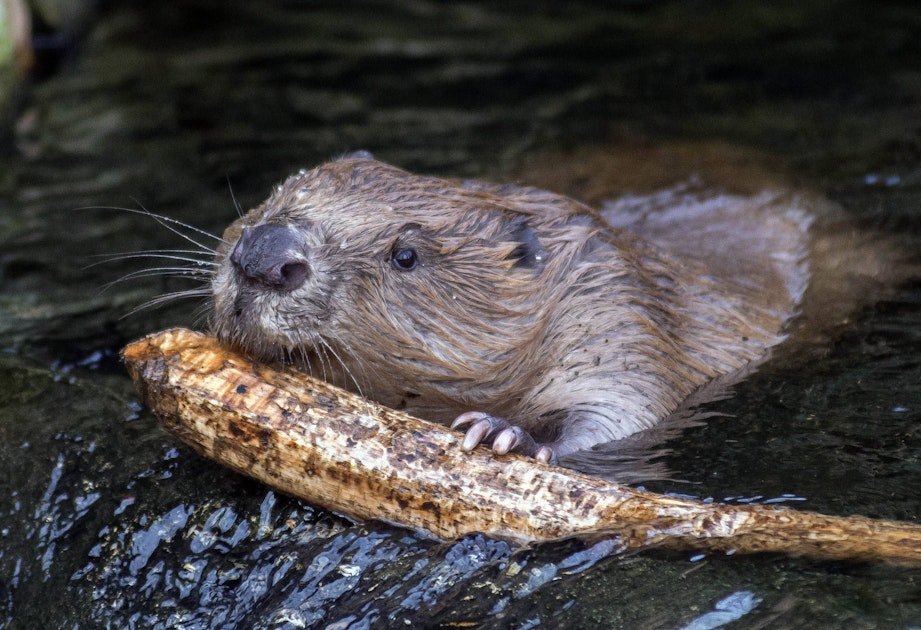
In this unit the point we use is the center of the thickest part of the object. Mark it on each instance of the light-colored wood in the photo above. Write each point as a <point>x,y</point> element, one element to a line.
<point>311,440</point>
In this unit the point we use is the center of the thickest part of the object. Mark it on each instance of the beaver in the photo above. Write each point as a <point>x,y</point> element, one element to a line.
<point>540,324</point>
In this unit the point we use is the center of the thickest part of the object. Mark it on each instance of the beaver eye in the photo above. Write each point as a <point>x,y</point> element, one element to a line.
<point>404,259</point>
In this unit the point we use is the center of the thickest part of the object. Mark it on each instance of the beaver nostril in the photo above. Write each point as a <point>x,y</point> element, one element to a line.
<point>292,274</point>
<point>268,256</point>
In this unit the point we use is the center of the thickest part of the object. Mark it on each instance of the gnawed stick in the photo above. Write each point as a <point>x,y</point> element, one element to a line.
<point>311,440</point>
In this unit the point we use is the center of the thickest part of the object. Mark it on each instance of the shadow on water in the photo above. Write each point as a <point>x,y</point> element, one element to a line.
<point>106,521</point>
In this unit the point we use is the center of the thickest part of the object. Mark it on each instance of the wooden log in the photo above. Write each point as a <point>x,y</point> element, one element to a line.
<point>308,439</point>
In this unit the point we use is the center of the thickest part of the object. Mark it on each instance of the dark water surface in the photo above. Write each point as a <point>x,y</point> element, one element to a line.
<point>107,522</point>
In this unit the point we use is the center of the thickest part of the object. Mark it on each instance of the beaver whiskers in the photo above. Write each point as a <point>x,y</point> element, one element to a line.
<point>201,264</point>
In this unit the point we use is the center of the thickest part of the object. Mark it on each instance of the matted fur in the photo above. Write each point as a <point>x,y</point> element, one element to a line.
<point>525,304</point>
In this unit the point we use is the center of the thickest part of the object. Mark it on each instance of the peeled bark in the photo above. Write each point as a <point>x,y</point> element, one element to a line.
<point>308,439</point>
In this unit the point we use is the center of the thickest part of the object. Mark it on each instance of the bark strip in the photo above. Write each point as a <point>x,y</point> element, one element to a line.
<point>306,438</point>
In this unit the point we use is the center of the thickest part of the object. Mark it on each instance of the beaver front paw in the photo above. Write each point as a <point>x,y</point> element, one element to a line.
<point>502,435</point>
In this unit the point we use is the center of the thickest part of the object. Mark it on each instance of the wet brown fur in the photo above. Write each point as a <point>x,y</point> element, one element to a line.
<point>593,333</point>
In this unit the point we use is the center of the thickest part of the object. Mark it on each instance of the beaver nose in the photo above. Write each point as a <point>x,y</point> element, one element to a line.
<point>267,256</point>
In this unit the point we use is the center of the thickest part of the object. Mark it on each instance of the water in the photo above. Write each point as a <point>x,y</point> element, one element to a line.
<point>106,521</point>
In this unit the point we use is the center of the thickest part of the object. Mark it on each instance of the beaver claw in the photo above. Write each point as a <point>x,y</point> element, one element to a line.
<point>505,437</point>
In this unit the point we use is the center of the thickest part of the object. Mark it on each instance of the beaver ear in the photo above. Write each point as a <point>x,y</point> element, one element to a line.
<point>529,253</point>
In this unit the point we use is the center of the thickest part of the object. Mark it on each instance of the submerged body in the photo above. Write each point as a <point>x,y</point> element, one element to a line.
<point>559,326</point>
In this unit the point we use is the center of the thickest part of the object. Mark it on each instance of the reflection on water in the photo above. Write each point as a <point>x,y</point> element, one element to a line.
<point>105,520</point>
